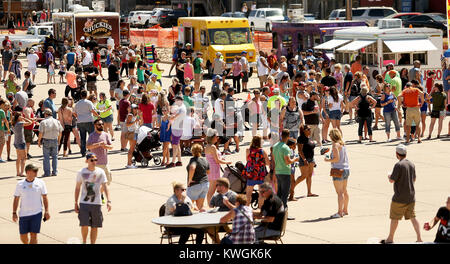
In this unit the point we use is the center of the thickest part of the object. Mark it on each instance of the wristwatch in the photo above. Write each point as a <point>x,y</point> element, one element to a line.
<point>108,202</point>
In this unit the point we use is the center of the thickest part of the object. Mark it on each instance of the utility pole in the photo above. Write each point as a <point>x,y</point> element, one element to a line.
<point>9,11</point>
<point>118,6</point>
<point>348,9</point>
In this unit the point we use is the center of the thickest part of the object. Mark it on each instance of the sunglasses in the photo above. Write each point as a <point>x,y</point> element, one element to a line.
<point>93,160</point>
<point>100,124</point>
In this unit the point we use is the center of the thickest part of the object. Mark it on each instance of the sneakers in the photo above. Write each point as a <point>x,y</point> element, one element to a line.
<point>170,165</point>
<point>226,152</point>
<point>2,161</point>
<point>178,164</point>
<point>388,140</point>
<point>131,167</point>
<point>336,215</point>
<point>124,149</point>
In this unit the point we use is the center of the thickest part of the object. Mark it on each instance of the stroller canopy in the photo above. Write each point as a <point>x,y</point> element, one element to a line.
<point>143,132</point>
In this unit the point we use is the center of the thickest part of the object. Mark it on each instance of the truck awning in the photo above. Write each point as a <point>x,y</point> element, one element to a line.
<point>398,46</point>
<point>356,45</point>
<point>331,44</point>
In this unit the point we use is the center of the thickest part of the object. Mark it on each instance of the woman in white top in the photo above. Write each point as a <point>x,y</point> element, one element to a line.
<point>336,107</point>
<point>132,122</point>
<point>339,161</point>
<point>133,85</point>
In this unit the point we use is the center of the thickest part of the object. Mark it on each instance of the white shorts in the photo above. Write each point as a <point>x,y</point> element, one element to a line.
<point>32,70</point>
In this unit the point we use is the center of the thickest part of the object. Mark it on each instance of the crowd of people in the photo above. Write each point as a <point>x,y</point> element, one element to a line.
<point>298,98</point>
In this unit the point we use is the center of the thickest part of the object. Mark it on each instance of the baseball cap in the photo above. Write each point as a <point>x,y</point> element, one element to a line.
<point>276,90</point>
<point>82,38</point>
<point>310,50</point>
<point>218,77</point>
<point>218,54</point>
<point>401,149</point>
<point>48,112</point>
<point>90,156</point>
<point>134,106</point>
<point>188,44</point>
<point>244,52</point>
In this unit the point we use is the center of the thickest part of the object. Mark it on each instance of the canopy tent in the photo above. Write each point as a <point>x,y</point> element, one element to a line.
<point>331,44</point>
<point>356,45</point>
<point>403,46</point>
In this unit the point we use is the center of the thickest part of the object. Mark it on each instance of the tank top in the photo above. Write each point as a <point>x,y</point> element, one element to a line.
<point>133,127</point>
<point>364,107</point>
<point>189,71</point>
<point>256,168</point>
<point>343,160</point>
<point>30,127</point>
<point>292,119</point>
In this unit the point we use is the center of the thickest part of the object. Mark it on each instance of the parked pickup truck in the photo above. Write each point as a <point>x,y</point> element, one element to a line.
<point>34,35</point>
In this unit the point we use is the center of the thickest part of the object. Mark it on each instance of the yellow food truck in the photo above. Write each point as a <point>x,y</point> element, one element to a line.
<point>229,36</point>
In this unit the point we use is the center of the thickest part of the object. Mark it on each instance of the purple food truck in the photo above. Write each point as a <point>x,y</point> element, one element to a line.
<point>299,36</point>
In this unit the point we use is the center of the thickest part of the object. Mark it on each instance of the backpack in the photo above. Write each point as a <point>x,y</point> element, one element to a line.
<point>291,119</point>
<point>182,209</point>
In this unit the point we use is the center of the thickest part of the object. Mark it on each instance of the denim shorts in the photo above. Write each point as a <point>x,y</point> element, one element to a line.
<point>20,146</point>
<point>198,191</point>
<point>30,224</point>
<point>344,176</point>
<point>253,182</point>
<point>335,115</point>
<point>327,112</point>
<point>301,163</point>
<point>108,119</point>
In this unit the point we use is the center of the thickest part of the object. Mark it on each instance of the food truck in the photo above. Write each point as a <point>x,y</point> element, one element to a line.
<point>227,35</point>
<point>388,43</point>
<point>98,26</point>
<point>306,34</point>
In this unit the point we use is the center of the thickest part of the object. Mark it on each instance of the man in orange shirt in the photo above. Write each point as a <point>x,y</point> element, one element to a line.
<point>356,66</point>
<point>410,99</point>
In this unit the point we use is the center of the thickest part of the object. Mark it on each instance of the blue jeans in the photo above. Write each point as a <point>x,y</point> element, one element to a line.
<point>284,186</point>
<point>50,149</point>
<point>388,116</point>
<point>85,130</point>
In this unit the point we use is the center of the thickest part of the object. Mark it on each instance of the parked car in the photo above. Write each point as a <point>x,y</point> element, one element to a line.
<point>367,14</point>
<point>402,16</point>
<point>169,18</point>
<point>430,20</point>
<point>157,14</point>
<point>261,18</point>
<point>309,17</point>
<point>139,18</point>
<point>35,35</point>
<point>233,14</point>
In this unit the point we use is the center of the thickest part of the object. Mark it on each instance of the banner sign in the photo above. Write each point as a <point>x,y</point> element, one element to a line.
<point>94,28</point>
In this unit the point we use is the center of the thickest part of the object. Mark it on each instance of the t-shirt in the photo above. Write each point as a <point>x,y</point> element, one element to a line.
<point>273,206</point>
<point>262,70</point>
<point>113,76</point>
<point>90,70</point>
<point>411,97</point>
<point>218,66</point>
<point>280,151</point>
<point>218,108</point>
<point>217,200</point>
<point>328,81</point>
<point>201,168</point>
<point>21,98</point>
<point>311,119</point>
<point>48,103</point>
<point>445,82</point>
<point>348,79</point>
<point>308,146</point>
<point>83,109</point>
<point>272,99</point>
<point>439,100</point>
<point>71,58</point>
<point>87,58</point>
<point>101,153</point>
<point>443,232</point>
<point>333,105</point>
<point>48,57</point>
<point>2,117</point>
<point>7,56</point>
<point>30,194</point>
<point>32,58</point>
<point>123,109</point>
<point>71,78</point>
<point>146,110</point>
<point>178,122</point>
<point>404,175</point>
<point>397,83</point>
<point>91,182</point>
<point>102,106</point>
<point>244,63</point>
<point>172,201</point>
<point>197,65</point>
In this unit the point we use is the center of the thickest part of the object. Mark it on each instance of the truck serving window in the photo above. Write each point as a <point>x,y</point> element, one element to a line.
<point>229,36</point>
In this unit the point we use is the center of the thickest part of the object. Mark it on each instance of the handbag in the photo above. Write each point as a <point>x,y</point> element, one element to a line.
<point>182,209</point>
<point>336,173</point>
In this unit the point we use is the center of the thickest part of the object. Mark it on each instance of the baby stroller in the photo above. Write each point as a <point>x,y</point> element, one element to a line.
<point>147,141</point>
<point>238,181</point>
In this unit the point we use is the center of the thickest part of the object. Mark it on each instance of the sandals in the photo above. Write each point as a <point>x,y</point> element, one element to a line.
<point>313,195</point>
<point>336,215</point>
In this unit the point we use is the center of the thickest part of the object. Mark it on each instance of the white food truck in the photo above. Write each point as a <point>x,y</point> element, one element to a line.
<point>388,43</point>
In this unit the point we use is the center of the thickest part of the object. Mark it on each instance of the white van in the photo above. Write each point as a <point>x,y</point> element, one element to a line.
<point>367,14</point>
